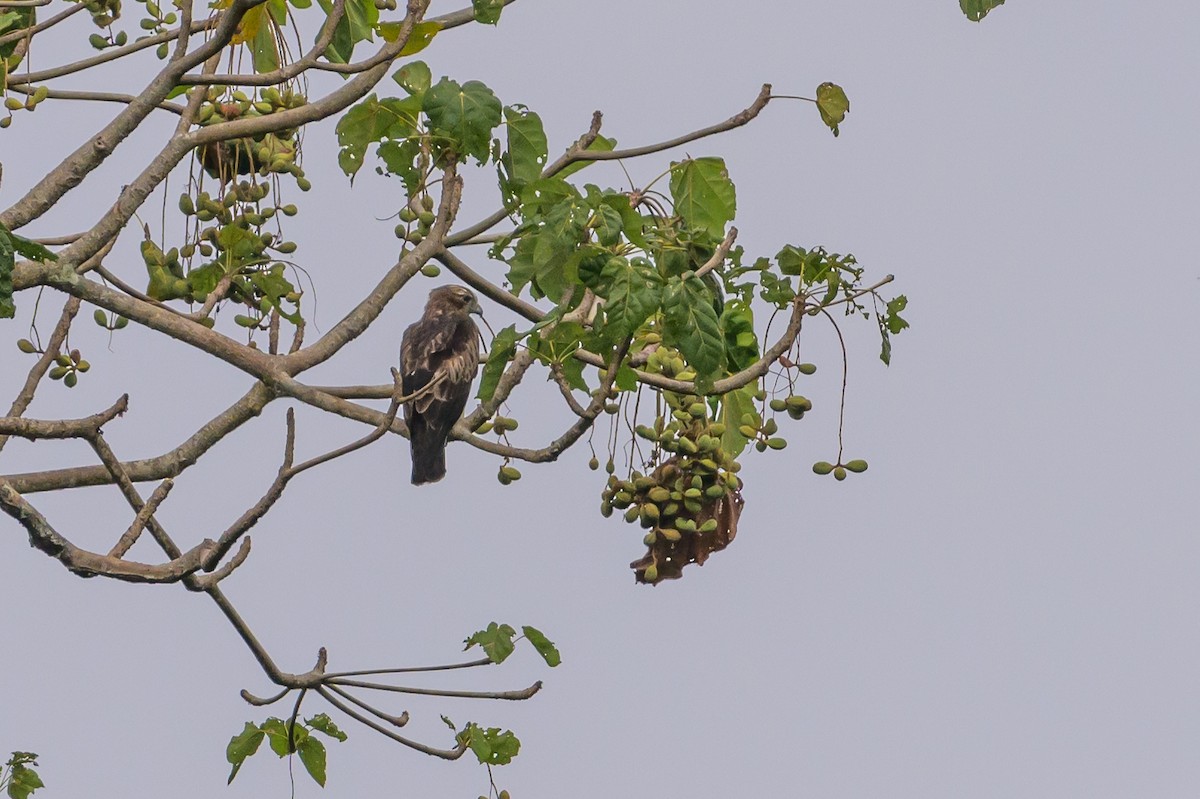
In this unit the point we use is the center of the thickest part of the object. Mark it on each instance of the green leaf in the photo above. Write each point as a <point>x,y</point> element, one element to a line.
<point>496,640</point>
<point>422,34</point>
<point>894,323</point>
<point>978,9</point>
<point>263,47</point>
<point>491,746</point>
<point>8,308</point>
<point>312,755</point>
<point>277,736</point>
<point>488,11</point>
<point>414,77</point>
<point>544,646</point>
<point>632,223</point>
<point>241,746</point>
<point>401,158</point>
<point>734,406</point>
<point>465,114</point>
<point>631,295</point>
<point>527,146</point>
<point>601,144</point>
<point>741,343</point>
<point>23,781</point>
<point>504,347</point>
<point>31,249</point>
<point>607,225</point>
<point>322,723</point>
<point>833,105</point>
<point>356,25</point>
<point>703,194</point>
<point>373,120</point>
<point>691,325</point>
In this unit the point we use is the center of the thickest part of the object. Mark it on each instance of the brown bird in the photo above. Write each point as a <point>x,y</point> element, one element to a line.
<point>439,351</point>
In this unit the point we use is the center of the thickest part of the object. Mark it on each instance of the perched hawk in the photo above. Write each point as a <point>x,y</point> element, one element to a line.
<point>442,347</point>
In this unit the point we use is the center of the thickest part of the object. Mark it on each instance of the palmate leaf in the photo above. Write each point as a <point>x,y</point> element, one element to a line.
<point>322,723</point>
<point>371,121</point>
<point>632,292</point>
<point>703,194</point>
<point>691,325</point>
<point>464,114</point>
<point>491,746</point>
<point>356,25</point>
<point>496,640</point>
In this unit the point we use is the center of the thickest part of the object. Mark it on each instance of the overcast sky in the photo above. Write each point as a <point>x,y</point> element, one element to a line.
<point>1006,604</point>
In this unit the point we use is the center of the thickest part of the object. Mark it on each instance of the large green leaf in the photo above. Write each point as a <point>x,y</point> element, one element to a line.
<point>527,145</point>
<point>496,640</point>
<point>464,114</point>
<point>691,325</point>
<point>703,194</point>
<point>978,9</point>
<point>833,105</point>
<point>356,25</point>
<point>631,293</point>
<point>491,746</point>
<point>322,723</point>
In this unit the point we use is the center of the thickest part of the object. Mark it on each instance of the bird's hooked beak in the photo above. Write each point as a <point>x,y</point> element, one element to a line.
<point>474,308</point>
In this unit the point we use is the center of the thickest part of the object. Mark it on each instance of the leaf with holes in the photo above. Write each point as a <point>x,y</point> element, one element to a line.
<point>464,114</point>
<point>496,640</point>
<point>544,646</point>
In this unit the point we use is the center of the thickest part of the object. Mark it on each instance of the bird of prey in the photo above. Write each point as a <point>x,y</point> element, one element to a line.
<point>439,353</point>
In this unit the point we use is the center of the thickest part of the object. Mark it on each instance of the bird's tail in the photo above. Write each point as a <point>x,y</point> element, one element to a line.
<point>428,452</point>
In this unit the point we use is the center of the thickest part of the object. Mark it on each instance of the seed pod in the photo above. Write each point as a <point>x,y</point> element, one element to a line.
<point>26,346</point>
<point>659,494</point>
<point>63,359</point>
<point>670,509</point>
<point>70,379</point>
<point>748,431</point>
<point>717,429</point>
<point>431,270</point>
<point>778,405</point>
<point>693,493</point>
<point>40,93</point>
<point>289,209</point>
<point>82,366</point>
<point>839,473</point>
<point>714,491</point>
<point>770,427</point>
<point>650,513</point>
<point>606,509</point>
<point>594,463</point>
<point>511,472</point>
<point>807,368</point>
<point>799,403</point>
<point>58,372</point>
<point>632,513</point>
<point>709,526</point>
<point>286,247</point>
<point>858,465</point>
<point>303,183</point>
<point>646,432</point>
<point>686,525</point>
<point>97,41</point>
<point>120,323</point>
<point>822,467</point>
<point>650,574</point>
<point>671,534</point>
<point>13,104</point>
<point>777,443</point>
<point>649,538</point>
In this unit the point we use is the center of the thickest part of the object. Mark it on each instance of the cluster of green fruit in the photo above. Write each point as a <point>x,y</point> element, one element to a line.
<point>115,322</point>
<point>267,153</point>
<point>676,498</point>
<point>416,220</point>
<point>28,104</point>
<point>245,199</point>
<point>67,365</point>
<point>839,470</point>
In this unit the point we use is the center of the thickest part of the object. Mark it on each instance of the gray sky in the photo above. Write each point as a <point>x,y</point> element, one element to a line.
<point>1006,604</point>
